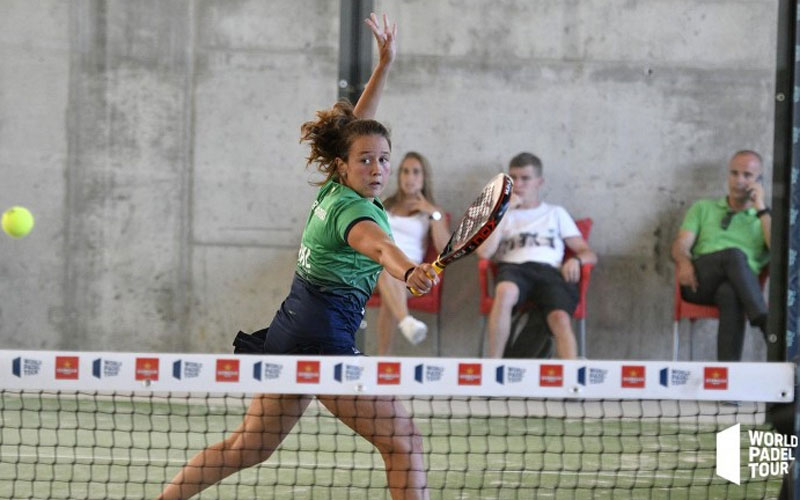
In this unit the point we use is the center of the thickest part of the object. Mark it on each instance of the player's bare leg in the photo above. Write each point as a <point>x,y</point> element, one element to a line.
<point>393,308</point>
<point>268,420</point>
<point>560,324</point>
<point>506,296</point>
<point>384,422</point>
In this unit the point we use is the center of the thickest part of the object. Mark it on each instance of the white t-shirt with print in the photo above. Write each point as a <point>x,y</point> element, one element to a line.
<point>535,235</point>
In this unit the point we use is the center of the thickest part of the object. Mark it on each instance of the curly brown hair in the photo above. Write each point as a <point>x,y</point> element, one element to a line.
<point>333,132</point>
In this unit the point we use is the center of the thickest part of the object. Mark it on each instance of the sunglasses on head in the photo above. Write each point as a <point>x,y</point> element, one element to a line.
<point>726,221</point>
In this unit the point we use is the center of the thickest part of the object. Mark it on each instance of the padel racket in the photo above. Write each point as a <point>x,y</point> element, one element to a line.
<point>477,223</point>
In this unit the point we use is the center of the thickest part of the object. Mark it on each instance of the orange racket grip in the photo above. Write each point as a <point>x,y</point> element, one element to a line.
<point>436,267</point>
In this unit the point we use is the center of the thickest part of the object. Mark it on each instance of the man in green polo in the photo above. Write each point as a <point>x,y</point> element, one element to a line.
<point>722,246</point>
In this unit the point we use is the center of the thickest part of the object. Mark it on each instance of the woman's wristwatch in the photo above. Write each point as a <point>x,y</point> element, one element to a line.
<point>435,215</point>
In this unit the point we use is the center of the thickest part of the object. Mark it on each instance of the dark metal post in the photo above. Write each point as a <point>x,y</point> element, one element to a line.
<point>785,244</point>
<point>355,48</point>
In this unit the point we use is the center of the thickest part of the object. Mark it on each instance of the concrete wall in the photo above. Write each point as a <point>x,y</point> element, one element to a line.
<point>156,142</point>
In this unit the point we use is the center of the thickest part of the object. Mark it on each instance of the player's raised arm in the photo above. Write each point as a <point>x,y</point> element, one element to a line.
<point>367,238</point>
<point>385,37</point>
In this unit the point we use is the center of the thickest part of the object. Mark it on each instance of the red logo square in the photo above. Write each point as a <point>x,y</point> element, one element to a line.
<point>146,368</point>
<point>227,370</point>
<point>308,372</point>
<point>67,367</point>
<point>633,376</point>
<point>469,373</point>
<point>388,373</point>
<point>715,377</point>
<point>551,375</point>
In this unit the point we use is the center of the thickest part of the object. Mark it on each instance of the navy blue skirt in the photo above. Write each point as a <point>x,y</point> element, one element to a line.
<point>309,322</point>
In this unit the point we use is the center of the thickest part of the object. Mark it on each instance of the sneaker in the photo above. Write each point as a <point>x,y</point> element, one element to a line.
<point>413,329</point>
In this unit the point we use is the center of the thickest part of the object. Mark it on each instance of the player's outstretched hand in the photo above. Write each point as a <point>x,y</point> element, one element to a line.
<point>385,36</point>
<point>422,279</point>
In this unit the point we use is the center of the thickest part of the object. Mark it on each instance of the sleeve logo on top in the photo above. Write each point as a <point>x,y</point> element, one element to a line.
<point>668,377</point>
<point>227,370</point>
<point>388,373</point>
<point>591,376</point>
<point>147,369</point>
<point>105,368</point>
<point>633,376</point>
<point>186,369</point>
<point>509,374</point>
<point>308,372</point>
<point>25,367</point>
<point>347,373</point>
<point>715,378</point>
<point>469,373</point>
<point>67,367</point>
<point>271,371</point>
<point>551,376</point>
<point>428,373</point>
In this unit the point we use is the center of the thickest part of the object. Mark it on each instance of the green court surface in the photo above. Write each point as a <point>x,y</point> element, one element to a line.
<point>123,447</point>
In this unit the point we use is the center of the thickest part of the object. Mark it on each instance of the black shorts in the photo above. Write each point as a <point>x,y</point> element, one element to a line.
<point>541,283</point>
<point>309,322</point>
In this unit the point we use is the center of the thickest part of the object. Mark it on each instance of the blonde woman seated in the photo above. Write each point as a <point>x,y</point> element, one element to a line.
<point>413,216</point>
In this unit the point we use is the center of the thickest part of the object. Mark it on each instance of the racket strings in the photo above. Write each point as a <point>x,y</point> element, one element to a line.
<point>476,215</point>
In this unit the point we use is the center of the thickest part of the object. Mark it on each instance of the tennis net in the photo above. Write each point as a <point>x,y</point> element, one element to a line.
<point>122,425</point>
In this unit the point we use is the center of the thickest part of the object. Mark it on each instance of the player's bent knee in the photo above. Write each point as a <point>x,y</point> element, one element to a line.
<point>506,294</point>
<point>561,318</point>
<point>406,439</point>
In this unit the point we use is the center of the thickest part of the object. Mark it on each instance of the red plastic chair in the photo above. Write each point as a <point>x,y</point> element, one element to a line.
<point>691,311</point>
<point>487,268</point>
<point>431,302</point>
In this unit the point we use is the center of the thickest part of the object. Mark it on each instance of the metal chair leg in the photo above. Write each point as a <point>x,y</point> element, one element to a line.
<point>484,337</point>
<point>582,337</point>
<point>676,340</point>
<point>438,335</point>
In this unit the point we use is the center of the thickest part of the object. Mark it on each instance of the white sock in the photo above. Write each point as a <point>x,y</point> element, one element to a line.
<point>413,329</point>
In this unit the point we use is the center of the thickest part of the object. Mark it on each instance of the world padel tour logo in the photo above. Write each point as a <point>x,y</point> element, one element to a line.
<point>551,375</point>
<point>67,367</point>
<point>105,368</point>
<point>25,367</point>
<point>715,378</point>
<point>347,373</point>
<point>768,453</point>
<point>308,372</point>
<point>186,369</point>
<point>227,370</point>
<point>670,376</point>
<point>428,373</point>
<point>633,376</point>
<point>147,369</point>
<point>469,373</point>
<point>267,371</point>
<point>388,373</point>
<point>509,374</point>
<point>591,376</point>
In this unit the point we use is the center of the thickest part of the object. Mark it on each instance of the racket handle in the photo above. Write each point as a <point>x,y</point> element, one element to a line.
<point>436,267</point>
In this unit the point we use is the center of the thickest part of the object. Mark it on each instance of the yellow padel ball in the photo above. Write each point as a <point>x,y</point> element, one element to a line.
<point>17,222</point>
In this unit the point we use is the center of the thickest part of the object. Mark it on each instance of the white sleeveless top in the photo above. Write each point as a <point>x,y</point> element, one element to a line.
<point>411,234</point>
